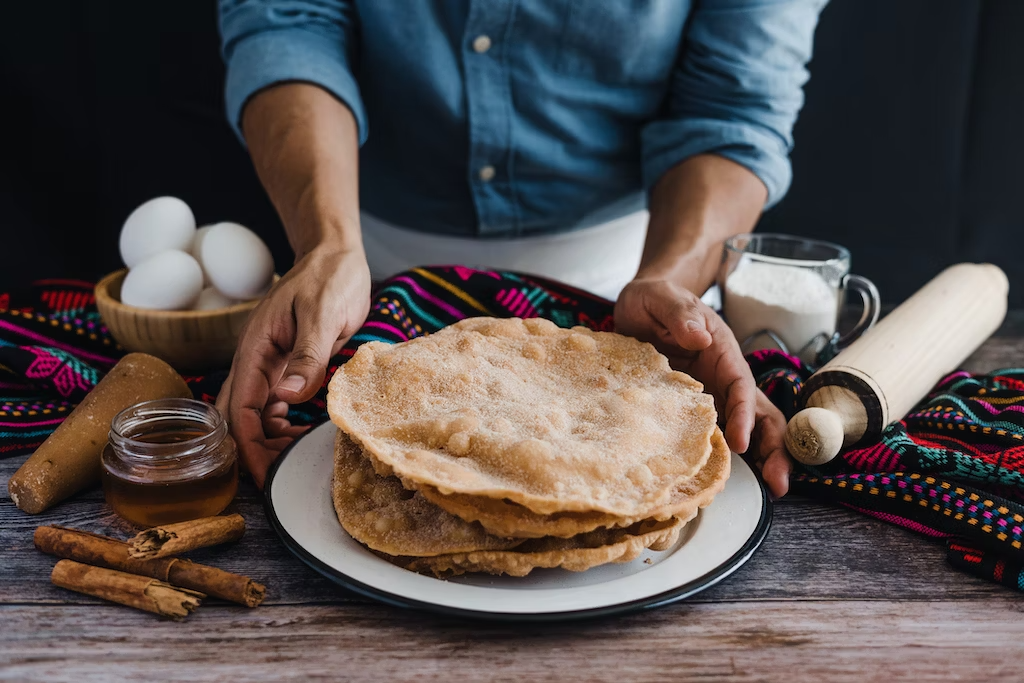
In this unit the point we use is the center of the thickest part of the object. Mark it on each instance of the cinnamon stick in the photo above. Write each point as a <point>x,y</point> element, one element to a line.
<point>140,592</point>
<point>173,539</point>
<point>102,551</point>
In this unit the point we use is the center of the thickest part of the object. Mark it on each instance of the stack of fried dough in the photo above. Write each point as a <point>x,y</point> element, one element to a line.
<point>504,445</point>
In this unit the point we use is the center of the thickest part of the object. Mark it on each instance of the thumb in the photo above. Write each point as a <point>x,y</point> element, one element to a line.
<point>307,364</point>
<point>684,319</point>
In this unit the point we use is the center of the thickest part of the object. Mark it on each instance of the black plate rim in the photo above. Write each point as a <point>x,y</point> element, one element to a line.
<point>738,559</point>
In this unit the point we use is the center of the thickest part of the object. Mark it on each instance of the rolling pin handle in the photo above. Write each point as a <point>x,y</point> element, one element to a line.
<point>815,436</point>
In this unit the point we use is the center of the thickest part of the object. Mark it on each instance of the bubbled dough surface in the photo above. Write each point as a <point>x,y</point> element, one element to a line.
<point>552,419</point>
<point>379,513</point>
<point>503,518</point>
<point>576,554</point>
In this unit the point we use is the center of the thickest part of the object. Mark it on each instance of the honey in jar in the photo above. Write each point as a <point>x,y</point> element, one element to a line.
<point>169,460</point>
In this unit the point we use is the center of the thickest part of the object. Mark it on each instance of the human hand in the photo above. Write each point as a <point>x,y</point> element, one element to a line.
<point>698,342</point>
<point>284,349</point>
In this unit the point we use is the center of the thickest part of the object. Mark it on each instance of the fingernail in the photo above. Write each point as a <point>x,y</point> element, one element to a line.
<point>292,383</point>
<point>693,326</point>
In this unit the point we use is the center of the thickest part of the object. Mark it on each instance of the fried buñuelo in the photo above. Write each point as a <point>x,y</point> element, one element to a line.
<point>551,419</point>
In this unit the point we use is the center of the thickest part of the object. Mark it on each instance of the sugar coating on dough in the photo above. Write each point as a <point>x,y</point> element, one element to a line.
<point>379,513</point>
<point>505,518</point>
<point>576,554</point>
<point>552,419</point>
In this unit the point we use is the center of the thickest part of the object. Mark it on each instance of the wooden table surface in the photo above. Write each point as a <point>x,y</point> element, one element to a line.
<point>831,595</point>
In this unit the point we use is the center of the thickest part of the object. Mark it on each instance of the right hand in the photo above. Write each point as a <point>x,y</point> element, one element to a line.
<point>698,342</point>
<point>285,347</point>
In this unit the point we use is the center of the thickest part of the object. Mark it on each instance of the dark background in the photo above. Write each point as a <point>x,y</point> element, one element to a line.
<point>908,150</point>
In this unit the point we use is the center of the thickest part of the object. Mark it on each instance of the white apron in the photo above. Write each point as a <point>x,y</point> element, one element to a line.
<point>601,259</point>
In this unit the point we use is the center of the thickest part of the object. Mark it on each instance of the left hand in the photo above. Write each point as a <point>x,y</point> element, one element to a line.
<point>698,342</point>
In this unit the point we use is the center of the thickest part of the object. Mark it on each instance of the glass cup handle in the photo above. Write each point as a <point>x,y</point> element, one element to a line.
<point>872,303</point>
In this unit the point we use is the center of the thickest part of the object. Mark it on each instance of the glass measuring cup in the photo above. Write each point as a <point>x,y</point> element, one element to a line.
<point>786,292</point>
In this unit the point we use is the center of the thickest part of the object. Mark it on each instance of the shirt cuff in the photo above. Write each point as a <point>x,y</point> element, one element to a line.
<point>281,55</point>
<point>666,143</point>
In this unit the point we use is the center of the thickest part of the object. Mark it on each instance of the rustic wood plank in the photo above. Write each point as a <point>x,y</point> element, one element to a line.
<point>997,353</point>
<point>1004,350</point>
<point>794,641</point>
<point>832,595</point>
<point>812,552</point>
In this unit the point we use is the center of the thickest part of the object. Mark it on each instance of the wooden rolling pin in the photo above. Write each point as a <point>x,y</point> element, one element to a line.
<point>882,375</point>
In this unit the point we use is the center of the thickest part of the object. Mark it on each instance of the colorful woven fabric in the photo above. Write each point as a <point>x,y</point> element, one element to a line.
<point>953,468</point>
<point>54,347</point>
<point>970,428</point>
<point>987,565</point>
<point>923,503</point>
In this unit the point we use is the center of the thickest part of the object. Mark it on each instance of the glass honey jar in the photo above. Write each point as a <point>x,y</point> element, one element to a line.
<point>169,460</point>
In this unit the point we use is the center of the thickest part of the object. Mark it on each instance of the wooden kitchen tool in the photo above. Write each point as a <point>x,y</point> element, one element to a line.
<point>882,375</point>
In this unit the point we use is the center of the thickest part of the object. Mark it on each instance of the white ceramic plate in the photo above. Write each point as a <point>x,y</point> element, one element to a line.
<point>722,537</point>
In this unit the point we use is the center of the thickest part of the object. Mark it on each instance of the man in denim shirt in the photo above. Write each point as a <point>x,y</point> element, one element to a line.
<point>514,133</point>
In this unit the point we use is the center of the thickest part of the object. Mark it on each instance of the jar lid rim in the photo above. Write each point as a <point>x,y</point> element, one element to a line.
<point>128,424</point>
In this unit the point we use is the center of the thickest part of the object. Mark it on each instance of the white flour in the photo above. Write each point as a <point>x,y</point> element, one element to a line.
<point>797,304</point>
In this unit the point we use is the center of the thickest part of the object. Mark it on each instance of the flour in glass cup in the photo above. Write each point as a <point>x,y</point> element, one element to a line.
<point>795,303</point>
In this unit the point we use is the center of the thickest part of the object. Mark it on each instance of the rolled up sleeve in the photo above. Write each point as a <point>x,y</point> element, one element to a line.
<point>274,41</point>
<point>737,89</point>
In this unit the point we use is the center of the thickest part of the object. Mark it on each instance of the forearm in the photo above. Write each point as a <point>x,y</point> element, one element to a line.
<point>304,146</point>
<point>694,207</point>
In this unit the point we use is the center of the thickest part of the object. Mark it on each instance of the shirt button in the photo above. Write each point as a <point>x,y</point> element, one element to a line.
<point>487,173</point>
<point>482,44</point>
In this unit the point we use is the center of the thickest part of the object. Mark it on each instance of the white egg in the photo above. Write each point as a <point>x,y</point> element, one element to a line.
<point>196,249</point>
<point>236,261</point>
<point>168,281</point>
<point>210,300</point>
<point>158,225</point>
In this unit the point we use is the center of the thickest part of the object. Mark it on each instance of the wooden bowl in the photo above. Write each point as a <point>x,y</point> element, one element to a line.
<point>190,341</point>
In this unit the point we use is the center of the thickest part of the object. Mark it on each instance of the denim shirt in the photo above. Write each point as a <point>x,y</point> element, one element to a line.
<point>503,118</point>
